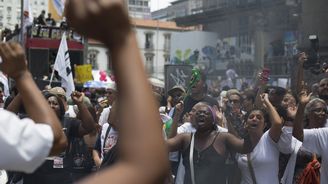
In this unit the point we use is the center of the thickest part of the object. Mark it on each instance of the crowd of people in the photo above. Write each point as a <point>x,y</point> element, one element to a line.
<point>261,134</point>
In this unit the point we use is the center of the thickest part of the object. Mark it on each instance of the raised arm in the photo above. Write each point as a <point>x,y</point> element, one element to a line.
<point>143,154</point>
<point>300,71</point>
<point>15,104</point>
<point>276,121</point>
<point>176,119</point>
<point>298,122</point>
<point>87,122</point>
<point>36,106</point>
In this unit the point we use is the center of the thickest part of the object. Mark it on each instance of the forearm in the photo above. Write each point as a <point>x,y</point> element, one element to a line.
<point>96,158</point>
<point>15,104</point>
<point>300,77</point>
<point>248,144</point>
<point>298,123</point>
<point>276,123</point>
<point>174,126</point>
<point>142,112</point>
<point>86,118</point>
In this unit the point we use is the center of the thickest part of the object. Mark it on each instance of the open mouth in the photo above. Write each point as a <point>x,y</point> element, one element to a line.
<point>253,125</point>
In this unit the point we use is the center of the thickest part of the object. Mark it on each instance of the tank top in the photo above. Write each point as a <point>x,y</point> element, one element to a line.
<point>208,164</point>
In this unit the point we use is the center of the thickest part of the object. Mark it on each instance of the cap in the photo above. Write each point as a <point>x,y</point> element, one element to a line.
<point>57,91</point>
<point>175,88</point>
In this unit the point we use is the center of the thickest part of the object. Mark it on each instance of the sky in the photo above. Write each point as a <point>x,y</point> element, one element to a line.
<point>159,4</point>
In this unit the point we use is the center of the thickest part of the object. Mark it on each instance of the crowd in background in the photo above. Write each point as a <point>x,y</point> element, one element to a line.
<point>261,134</point>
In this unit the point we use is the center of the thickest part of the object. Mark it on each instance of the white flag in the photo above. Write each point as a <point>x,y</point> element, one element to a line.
<point>63,67</point>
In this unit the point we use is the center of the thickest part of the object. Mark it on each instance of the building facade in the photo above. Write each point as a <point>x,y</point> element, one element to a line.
<point>254,33</point>
<point>139,9</point>
<point>154,39</point>
<point>10,11</point>
<point>178,8</point>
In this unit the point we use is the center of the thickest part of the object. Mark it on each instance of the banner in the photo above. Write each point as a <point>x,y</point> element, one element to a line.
<point>63,67</point>
<point>83,73</point>
<point>56,8</point>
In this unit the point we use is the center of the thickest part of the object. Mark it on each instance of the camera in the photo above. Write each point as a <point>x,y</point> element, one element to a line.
<point>313,63</point>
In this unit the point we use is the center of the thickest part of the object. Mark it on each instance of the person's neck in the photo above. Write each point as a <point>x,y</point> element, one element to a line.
<point>316,125</point>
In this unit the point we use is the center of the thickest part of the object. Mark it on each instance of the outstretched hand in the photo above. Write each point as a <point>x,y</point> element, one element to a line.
<point>13,60</point>
<point>304,97</point>
<point>219,114</point>
<point>265,100</point>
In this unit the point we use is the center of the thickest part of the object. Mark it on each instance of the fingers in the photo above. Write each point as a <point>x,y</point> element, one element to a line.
<point>76,11</point>
<point>6,51</point>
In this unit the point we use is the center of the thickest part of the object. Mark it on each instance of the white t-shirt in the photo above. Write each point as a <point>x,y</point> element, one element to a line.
<point>264,159</point>
<point>103,119</point>
<point>110,141</point>
<point>316,140</point>
<point>24,145</point>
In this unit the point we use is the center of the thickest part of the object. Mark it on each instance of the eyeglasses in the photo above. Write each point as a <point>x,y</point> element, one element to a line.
<point>319,110</point>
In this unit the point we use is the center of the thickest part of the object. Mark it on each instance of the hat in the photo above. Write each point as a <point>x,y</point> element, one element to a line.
<point>59,91</point>
<point>233,92</point>
<point>175,88</point>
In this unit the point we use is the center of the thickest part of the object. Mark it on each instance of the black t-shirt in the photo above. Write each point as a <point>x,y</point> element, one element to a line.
<point>46,173</point>
<point>50,21</point>
<point>190,102</point>
<point>81,156</point>
<point>110,157</point>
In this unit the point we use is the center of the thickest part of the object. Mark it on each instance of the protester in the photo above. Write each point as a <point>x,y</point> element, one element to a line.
<point>262,162</point>
<point>25,143</point>
<point>211,147</point>
<point>59,168</point>
<point>313,139</point>
<point>107,139</point>
<point>50,21</point>
<point>41,18</point>
<point>143,156</point>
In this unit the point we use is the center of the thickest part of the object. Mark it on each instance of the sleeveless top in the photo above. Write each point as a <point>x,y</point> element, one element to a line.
<point>208,164</point>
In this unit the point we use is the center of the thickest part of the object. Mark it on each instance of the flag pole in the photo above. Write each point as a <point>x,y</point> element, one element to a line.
<point>22,24</point>
<point>52,77</point>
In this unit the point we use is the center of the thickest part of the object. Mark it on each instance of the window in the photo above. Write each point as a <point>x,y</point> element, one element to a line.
<point>8,8</point>
<point>167,41</point>
<point>166,58</point>
<point>149,41</point>
<point>92,58</point>
<point>149,63</point>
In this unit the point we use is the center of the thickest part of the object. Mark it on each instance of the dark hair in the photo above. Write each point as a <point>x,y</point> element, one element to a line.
<point>249,94</point>
<point>47,95</point>
<point>265,116</point>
